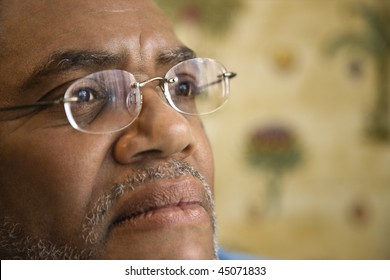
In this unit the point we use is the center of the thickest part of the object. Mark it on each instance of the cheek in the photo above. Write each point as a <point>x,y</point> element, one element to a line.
<point>203,156</point>
<point>46,185</point>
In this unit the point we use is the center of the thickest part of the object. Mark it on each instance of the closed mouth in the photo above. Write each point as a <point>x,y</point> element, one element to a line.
<point>147,213</point>
<point>162,204</point>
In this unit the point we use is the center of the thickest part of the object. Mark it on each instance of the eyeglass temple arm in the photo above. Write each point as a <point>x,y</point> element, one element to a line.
<point>226,75</point>
<point>40,104</point>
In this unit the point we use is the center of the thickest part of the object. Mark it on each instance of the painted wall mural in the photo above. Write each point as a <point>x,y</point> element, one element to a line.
<point>296,175</point>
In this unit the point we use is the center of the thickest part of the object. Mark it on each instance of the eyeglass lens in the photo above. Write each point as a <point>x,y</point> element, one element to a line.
<point>107,101</point>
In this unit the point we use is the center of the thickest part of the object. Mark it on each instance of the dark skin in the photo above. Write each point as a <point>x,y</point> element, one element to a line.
<point>51,176</point>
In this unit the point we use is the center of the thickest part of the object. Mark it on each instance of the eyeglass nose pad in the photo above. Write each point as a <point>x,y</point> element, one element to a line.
<point>134,101</point>
<point>161,91</point>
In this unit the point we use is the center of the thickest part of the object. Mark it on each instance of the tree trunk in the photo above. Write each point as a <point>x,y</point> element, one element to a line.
<point>379,126</point>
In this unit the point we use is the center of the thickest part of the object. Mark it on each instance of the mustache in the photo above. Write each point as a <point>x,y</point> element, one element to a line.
<point>173,169</point>
<point>17,243</point>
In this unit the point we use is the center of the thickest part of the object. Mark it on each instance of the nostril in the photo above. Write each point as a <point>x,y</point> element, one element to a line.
<point>148,154</point>
<point>156,153</point>
<point>188,150</point>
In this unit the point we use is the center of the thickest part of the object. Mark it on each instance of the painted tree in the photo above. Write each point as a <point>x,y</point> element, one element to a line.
<point>375,40</point>
<point>275,150</point>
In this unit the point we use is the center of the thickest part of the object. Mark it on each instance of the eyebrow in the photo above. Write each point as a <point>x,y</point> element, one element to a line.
<point>60,62</point>
<point>64,61</point>
<point>172,56</point>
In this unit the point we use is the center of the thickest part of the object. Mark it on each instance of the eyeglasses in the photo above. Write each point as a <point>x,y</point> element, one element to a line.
<point>110,100</point>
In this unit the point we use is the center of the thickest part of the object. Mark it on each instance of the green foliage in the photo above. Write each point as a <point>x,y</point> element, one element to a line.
<point>376,42</point>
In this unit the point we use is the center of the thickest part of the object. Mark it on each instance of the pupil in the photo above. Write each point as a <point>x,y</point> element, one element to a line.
<point>184,88</point>
<point>83,95</point>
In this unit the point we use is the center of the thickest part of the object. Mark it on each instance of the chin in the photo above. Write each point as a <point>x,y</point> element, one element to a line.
<point>195,242</point>
<point>172,252</point>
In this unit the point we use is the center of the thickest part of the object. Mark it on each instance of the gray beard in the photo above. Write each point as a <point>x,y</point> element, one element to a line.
<point>16,243</point>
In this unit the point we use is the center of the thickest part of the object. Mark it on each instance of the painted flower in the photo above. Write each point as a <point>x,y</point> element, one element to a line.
<point>273,148</point>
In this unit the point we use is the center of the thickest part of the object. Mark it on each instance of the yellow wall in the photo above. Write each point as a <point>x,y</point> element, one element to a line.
<point>335,202</point>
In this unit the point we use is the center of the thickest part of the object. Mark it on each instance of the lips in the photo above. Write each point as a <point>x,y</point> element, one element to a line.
<point>161,204</point>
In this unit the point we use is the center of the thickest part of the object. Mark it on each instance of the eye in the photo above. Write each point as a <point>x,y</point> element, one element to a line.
<point>186,85</point>
<point>85,94</point>
<point>184,89</point>
<point>88,90</point>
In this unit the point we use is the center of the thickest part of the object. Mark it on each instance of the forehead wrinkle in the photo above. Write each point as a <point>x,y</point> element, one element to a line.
<point>60,62</point>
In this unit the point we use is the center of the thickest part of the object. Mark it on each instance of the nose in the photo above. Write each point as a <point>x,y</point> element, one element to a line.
<point>158,132</point>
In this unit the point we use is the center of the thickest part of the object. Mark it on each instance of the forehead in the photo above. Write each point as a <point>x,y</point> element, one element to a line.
<point>35,20</point>
<point>63,11</point>
<point>33,29</point>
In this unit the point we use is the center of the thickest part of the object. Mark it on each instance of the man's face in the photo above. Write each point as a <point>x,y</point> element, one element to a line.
<point>138,193</point>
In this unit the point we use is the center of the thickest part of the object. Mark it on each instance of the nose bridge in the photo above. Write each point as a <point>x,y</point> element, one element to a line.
<point>159,132</point>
